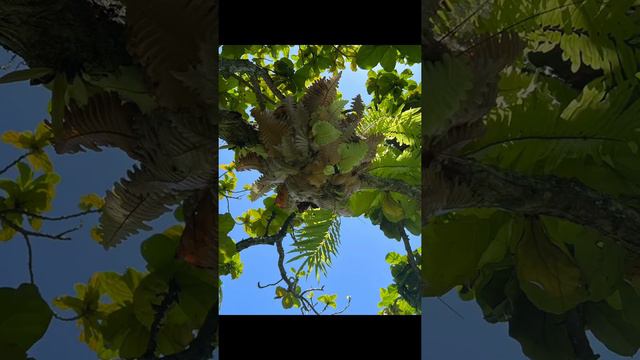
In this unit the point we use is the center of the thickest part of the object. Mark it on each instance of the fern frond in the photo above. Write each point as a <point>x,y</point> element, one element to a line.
<point>317,240</point>
<point>270,130</point>
<point>127,209</point>
<point>321,93</point>
<point>595,131</point>
<point>167,37</point>
<point>104,121</point>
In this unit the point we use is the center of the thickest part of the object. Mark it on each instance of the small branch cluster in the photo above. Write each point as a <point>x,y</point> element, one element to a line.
<point>307,305</point>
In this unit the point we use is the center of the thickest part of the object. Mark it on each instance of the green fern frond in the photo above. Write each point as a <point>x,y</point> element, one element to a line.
<point>594,134</point>
<point>318,240</point>
<point>404,126</point>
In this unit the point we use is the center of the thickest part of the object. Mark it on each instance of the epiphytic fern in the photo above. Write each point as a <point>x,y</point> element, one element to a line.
<point>312,148</point>
<point>317,241</point>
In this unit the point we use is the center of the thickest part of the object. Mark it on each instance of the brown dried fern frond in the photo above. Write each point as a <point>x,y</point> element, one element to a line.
<point>104,121</point>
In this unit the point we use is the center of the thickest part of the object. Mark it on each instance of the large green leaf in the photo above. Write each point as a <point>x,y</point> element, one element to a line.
<point>452,250</point>
<point>351,154</point>
<point>599,258</point>
<point>160,249</point>
<point>619,330</point>
<point>369,56</point>
<point>543,336</point>
<point>24,318</point>
<point>547,273</point>
<point>27,74</point>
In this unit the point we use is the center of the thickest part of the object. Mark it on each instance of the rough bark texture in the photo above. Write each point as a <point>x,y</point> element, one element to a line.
<point>542,195</point>
<point>65,35</point>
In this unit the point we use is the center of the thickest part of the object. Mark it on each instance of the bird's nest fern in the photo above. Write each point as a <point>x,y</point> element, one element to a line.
<point>309,150</point>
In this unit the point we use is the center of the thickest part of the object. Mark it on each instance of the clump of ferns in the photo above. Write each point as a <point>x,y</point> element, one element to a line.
<point>309,151</point>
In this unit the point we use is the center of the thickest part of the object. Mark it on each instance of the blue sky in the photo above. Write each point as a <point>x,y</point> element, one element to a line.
<point>447,336</point>
<point>359,270</point>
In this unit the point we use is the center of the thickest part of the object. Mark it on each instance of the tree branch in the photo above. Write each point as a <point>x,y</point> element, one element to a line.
<point>23,231</point>
<point>230,66</point>
<point>407,247</point>
<point>235,131</point>
<point>267,240</point>
<point>564,198</point>
<point>202,347</point>
<point>48,218</point>
<point>378,183</point>
<point>169,299</point>
<point>30,255</point>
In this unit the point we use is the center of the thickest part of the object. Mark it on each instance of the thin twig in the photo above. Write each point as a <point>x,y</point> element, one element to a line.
<point>464,21</point>
<point>24,231</point>
<point>30,254</point>
<point>22,157</point>
<point>47,218</point>
<point>273,215</point>
<point>73,318</point>
<point>269,285</point>
<point>345,307</point>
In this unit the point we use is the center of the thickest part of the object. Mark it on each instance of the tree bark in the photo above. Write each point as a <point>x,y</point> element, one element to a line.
<point>65,35</point>
<point>564,198</point>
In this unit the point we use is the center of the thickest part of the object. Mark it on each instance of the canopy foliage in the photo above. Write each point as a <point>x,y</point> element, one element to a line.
<point>532,168</point>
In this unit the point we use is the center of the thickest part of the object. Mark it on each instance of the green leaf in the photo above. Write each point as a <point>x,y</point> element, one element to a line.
<point>329,300</point>
<point>600,259</point>
<point>452,251</point>
<point>90,202</point>
<point>389,59</point>
<point>226,244</point>
<point>24,317</point>
<point>18,139</point>
<point>542,336</point>
<point>280,292</point>
<point>116,287</point>
<point>284,67</point>
<point>135,342</point>
<point>160,249</point>
<point>27,74</point>
<point>368,56</point>
<point>547,274</point>
<point>301,76</point>
<point>288,300</point>
<point>393,258</point>
<point>351,155</point>
<point>411,52</point>
<point>612,328</point>
<point>57,102</point>
<point>324,133</point>
<point>362,201</point>
<point>25,174</point>
<point>392,209</point>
